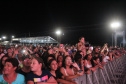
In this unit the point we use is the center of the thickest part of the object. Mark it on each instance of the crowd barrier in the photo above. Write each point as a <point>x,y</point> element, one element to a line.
<point>113,73</point>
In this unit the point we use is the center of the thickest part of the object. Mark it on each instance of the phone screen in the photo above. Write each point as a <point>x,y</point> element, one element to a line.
<point>80,71</point>
<point>91,48</point>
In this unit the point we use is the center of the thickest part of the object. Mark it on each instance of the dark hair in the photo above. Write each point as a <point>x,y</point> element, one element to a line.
<point>78,52</point>
<point>105,51</point>
<point>86,57</point>
<point>63,64</point>
<point>51,55</point>
<point>39,61</point>
<point>14,62</point>
<point>94,49</point>
<point>77,57</point>
<point>33,48</point>
<point>49,63</point>
<point>45,48</point>
<point>97,58</point>
<point>24,57</point>
<point>58,57</point>
<point>81,38</point>
<point>1,65</point>
<point>2,50</point>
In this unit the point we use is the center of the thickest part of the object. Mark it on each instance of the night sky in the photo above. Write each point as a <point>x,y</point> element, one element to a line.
<point>75,18</point>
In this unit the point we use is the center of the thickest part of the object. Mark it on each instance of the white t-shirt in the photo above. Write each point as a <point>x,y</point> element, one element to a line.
<point>106,59</point>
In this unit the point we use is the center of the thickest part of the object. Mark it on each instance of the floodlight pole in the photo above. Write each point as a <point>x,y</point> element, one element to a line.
<point>58,33</point>
<point>112,39</point>
<point>115,39</point>
<point>123,38</point>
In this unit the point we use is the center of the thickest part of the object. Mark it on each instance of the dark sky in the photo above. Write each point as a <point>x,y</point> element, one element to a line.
<point>75,18</point>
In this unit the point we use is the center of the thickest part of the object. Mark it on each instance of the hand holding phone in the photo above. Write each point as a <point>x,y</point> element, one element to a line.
<point>61,45</point>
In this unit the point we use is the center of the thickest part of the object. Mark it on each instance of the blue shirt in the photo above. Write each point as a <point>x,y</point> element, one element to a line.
<point>19,80</point>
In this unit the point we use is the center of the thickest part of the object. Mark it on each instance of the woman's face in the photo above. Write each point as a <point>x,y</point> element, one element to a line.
<point>54,65</point>
<point>60,58</point>
<point>9,54</point>
<point>89,57</point>
<point>3,60</point>
<point>82,40</point>
<point>97,60</point>
<point>35,66</point>
<point>8,68</point>
<point>68,61</point>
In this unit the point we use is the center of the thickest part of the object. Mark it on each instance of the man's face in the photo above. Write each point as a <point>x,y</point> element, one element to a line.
<point>27,62</point>
<point>9,50</point>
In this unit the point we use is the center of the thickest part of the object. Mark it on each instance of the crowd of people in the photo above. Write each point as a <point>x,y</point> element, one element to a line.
<point>52,64</point>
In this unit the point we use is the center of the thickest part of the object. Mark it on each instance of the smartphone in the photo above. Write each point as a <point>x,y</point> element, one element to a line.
<point>69,51</point>
<point>91,48</point>
<point>80,71</point>
<point>16,46</point>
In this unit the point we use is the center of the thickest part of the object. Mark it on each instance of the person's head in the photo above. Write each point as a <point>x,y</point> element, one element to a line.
<point>106,52</point>
<point>78,58</point>
<point>3,60</point>
<point>59,58</point>
<point>50,51</point>
<point>88,56</point>
<point>95,50</point>
<point>10,54</point>
<point>52,64</point>
<point>1,50</point>
<point>37,54</point>
<point>96,54</point>
<point>97,60</point>
<point>36,64</point>
<point>79,52</point>
<point>26,61</point>
<point>81,39</point>
<point>51,56</point>
<point>9,50</point>
<point>11,65</point>
<point>35,49</point>
<point>19,48</point>
<point>44,49</point>
<point>67,61</point>
<point>40,49</point>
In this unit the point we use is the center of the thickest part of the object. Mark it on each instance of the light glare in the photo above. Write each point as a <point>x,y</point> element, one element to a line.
<point>58,32</point>
<point>4,37</point>
<point>115,25</point>
<point>12,36</point>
